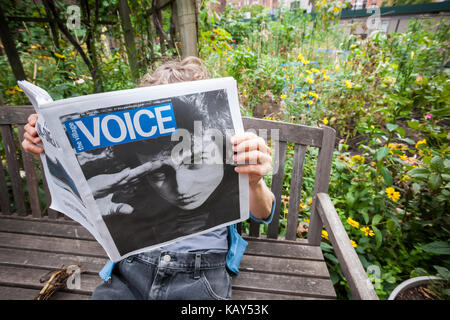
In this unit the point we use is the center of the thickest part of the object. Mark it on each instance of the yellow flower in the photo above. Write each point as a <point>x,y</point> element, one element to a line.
<point>326,77</point>
<point>404,177</point>
<point>367,231</point>
<point>283,96</point>
<point>310,102</point>
<point>325,121</point>
<point>315,70</point>
<point>348,84</point>
<point>303,95</point>
<point>309,80</point>
<point>337,67</point>
<point>353,243</point>
<point>420,142</point>
<point>389,190</point>
<point>17,88</point>
<point>324,2</point>
<point>310,200</point>
<point>248,49</point>
<point>392,194</point>
<point>353,223</point>
<point>336,9</point>
<point>403,157</point>
<point>60,56</point>
<point>306,220</point>
<point>313,94</point>
<point>244,92</point>
<point>394,66</point>
<point>395,196</point>
<point>301,58</point>
<point>10,91</point>
<point>302,206</point>
<point>359,159</point>
<point>396,146</point>
<point>324,234</point>
<point>39,68</point>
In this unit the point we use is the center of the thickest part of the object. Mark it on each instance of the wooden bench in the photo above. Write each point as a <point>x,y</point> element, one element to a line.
<point>34,240</point>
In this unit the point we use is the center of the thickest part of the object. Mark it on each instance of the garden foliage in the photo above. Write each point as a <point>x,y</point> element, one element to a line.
<point>386,95</point>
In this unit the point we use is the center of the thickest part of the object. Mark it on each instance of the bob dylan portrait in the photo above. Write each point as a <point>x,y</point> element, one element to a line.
<point>172,200</point>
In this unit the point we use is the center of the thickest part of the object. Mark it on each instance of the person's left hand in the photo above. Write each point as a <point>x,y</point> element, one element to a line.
<point>252,156</point>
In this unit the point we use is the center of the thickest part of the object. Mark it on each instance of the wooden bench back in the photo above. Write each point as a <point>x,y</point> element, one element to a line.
<point>12,120</point>
<point>301,136</point>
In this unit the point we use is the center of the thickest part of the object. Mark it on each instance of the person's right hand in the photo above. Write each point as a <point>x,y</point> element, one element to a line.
<point>31,138</point>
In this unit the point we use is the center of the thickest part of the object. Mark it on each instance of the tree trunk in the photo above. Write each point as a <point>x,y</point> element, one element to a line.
<point>187,19</point>
<point>10,48</point>
<point>90,43</point>
<point>124,12</point>
<point>53,27</point>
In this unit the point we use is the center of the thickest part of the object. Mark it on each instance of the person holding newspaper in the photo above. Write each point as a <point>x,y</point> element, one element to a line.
<point>197,267</point>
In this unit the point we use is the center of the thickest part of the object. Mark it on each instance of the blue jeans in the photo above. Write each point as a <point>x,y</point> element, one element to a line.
<point>164,275</point>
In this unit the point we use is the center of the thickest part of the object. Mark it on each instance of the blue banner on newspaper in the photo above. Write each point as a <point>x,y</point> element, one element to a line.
<point>119,127</point>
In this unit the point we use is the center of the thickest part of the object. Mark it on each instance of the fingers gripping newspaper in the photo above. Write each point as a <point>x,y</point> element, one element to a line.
<point>144,167</point>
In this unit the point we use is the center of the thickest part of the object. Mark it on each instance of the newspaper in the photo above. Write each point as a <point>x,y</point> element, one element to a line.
<point>145,167</point>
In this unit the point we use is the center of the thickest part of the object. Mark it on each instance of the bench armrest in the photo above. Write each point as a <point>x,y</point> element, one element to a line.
<point>360,285</point>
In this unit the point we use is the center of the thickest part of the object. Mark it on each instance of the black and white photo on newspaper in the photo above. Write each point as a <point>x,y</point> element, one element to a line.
<point>153,165</point>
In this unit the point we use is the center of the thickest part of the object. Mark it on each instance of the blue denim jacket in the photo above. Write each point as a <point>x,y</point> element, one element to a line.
<point>236,248</point>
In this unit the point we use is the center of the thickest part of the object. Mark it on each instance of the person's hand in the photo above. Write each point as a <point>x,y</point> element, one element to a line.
<point>252,156</point>
<point>103,185</point>
<point>31,138</point>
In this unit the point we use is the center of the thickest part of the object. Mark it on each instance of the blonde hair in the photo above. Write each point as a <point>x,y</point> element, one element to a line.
<point>189,69</point>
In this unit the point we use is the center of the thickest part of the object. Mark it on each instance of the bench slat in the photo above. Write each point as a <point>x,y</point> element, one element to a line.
<point>29,278</point>
<point>51,244</point>
<point>13,169</point>
<point>283,250</point>
<point>277,187</point>
<point>284,266</point>
<point>5,204</point>
<point>321,183</point>
<point>32,180</point>
<point>282,284</point>
<point>15,293</point>
<point>239,294</point>
<point>44,228</point>
<point>49,260</point>
<point>295,191</point>
<point>296,133</point>
<point>16,114</point>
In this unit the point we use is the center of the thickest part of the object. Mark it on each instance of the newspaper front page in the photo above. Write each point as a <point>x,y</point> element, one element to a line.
<point>145,167</point>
